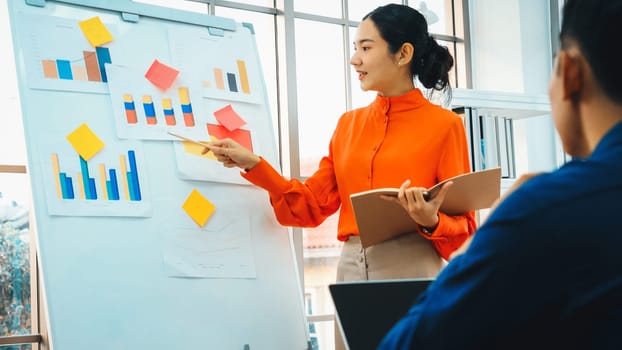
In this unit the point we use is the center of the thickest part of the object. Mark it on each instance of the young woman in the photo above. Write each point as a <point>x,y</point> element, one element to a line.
<point>400,139</point>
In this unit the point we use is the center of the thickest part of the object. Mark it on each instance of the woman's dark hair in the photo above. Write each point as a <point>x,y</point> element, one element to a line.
<point>399,24</point>
<point>595,26</point>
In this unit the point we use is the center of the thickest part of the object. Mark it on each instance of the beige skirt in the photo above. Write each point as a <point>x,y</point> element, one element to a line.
<point>406,256</point>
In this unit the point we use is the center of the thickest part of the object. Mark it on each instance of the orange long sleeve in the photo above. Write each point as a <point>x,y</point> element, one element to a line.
<point>382,145</point>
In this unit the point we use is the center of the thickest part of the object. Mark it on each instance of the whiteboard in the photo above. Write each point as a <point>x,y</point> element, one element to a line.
<point>145,243</point>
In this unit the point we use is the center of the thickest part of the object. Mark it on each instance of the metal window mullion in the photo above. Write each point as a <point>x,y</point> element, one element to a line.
<point>509,127</point>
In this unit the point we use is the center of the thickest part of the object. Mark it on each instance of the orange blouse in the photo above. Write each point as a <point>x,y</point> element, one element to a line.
<point>382,145</point>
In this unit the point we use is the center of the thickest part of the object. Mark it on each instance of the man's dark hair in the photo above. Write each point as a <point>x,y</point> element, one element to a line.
<point>596,27</point>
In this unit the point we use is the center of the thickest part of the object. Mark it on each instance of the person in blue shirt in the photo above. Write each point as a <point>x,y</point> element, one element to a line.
<point>545,269</point>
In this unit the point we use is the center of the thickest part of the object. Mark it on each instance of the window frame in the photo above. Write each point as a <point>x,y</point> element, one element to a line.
<point>35,336</point>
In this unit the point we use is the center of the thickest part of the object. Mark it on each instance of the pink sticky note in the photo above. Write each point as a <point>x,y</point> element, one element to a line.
<point>228,118</point>
<point>161,75</point>
<point>241,136</point>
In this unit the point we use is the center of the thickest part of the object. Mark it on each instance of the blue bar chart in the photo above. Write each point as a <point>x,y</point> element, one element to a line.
<point>110,189</point>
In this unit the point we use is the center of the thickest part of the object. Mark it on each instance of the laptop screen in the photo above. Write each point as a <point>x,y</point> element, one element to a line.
<point>366,310</point>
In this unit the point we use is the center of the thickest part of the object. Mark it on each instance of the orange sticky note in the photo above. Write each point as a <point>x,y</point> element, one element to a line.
<point>199,208</point>
<point>161,75</point>
<point>95,31</point>
<point>85,142</point>
<point>241,136</point>
<point>228,118</point>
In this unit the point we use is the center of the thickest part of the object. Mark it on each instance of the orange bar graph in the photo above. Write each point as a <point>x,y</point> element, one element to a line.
<point>92,66</point>
<point>169,113</point>
<point>220,83</point>
<point>130,109</point>
<point>150,114</point>
<point>186,106</point>
<point>49,69</point>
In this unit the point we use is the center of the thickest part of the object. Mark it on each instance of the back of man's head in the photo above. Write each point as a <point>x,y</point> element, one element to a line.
<point>595,26</point>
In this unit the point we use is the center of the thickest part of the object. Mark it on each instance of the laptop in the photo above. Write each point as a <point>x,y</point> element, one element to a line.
<point>367,310</point>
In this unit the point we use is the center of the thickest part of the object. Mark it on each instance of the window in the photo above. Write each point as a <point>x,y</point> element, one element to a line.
<point>320,82</point>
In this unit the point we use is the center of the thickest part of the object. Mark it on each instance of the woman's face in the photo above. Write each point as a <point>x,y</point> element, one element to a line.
<point>378,69</point>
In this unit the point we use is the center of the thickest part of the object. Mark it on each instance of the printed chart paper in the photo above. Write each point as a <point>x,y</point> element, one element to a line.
<point>110,183</point>
<point>234,76</point>
<point>70,64</point>
<point>221,249</point>
<point>143,111</point>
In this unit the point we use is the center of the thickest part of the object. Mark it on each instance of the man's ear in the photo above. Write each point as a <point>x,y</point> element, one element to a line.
<point>572,75</point>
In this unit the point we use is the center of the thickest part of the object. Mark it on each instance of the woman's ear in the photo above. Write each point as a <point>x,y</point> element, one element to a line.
<point>405,54</point>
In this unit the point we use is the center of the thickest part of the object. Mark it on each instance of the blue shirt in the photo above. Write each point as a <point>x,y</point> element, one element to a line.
<point>543,272</point>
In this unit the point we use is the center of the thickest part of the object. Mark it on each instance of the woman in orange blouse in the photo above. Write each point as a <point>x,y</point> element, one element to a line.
<point>400,139</point>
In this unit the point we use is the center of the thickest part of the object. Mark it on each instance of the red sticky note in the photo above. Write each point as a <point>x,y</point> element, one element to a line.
<point>161,75</point>
<point>228,118</point>
<point>241,136</point>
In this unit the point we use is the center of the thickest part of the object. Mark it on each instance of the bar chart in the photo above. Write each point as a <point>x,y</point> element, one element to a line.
<point>166,104</point>
<point>59,58</point>
<point>186,106</point>
<point>232,79</point>
<point>91,67</point>
<point>143,111</point>
<point>114,185</point>
<point>234,76</point>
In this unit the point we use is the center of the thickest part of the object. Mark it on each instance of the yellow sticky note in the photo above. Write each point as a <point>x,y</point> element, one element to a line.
<point>194,149</point>
<point>85,142</point>
<point>199,208</point>
<point>95,31</point>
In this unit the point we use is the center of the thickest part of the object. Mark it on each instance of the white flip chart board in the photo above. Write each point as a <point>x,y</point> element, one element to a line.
<point>144,242</point>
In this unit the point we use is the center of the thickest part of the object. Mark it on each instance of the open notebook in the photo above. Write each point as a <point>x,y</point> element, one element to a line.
<point>366,310</point>
<point>379,220</point>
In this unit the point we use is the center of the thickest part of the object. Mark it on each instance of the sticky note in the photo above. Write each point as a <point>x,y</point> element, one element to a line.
<point>85,142</point>
<point>199,208</point>
<point>228,118</point>
<point>241,136</point>
<point>161,75</point>
<point>194,149</point>
<point>95,31</point>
